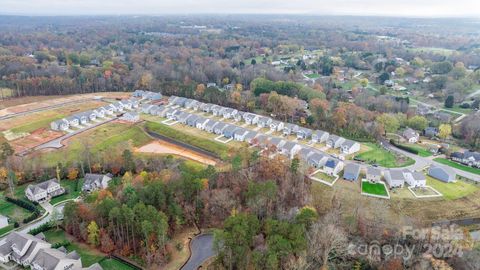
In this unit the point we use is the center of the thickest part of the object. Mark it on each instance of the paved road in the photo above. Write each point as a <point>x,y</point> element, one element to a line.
<point>476,93</point>
<point>202,249</point>
<point>57,143</point>
<point>422,162</point>
<point>8,116</point>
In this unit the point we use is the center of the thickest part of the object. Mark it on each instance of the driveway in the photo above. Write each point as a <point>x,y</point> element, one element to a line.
<point>201,248</point>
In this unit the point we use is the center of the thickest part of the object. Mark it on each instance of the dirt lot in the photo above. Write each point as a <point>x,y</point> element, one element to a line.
<point>17,105</point>
<point>161,147</point>
<point>34,139</point>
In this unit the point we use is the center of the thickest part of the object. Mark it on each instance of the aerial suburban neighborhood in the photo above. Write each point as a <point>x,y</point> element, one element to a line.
<point>247,141</point>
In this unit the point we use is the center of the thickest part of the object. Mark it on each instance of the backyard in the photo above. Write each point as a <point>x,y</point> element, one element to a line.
<point>377,189</point>
<point>88,254</point>
<point>73,190</point>
<point>457,165</point>
<point>422,151</point>
<point>451,191</point>
<point>378,155</point>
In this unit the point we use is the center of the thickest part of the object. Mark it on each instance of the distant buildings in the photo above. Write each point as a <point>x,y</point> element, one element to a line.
<point>411,135</point>
<point>468,158</point>
<point>94,182</point>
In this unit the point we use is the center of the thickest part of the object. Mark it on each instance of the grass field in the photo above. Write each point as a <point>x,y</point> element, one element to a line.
<point>200,139</point>
<point>70,186</point>
<point>421,151</point>
<point>13,211</point>
<point>451,191</point>
<point>313,76</point>
<point>324,176</point>
<point>374,188</point>
<point>457,165</point>
<point>108,137</point>
<point>114,264</point>
<point>40,123</point>
<point>378,155</point>
<point>4,230</point>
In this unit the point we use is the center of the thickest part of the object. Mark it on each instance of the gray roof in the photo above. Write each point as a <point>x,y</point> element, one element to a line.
<point>230,129</point>
<point>211,123</point>
<point>335,138</point>
<point>374,171</point>
<point>37,188</point>
<point>446,169</point>
<point>418,176</point>
<point>351,171</point>
<point>251,135</point>
<point>241,131</point>
<point>320,133</point>
<point>409,133</point>
<point>349,143</point>
<point>396,174</point>
<point>471,155</point>
<point>289,146</point>
<point>316,157</point>
<point>275,141</point>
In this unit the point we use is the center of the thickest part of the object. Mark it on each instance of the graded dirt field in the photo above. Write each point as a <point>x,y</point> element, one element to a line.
<point>161,147</point>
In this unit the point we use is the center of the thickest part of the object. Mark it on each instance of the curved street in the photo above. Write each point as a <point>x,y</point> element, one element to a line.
<point>201,248</point>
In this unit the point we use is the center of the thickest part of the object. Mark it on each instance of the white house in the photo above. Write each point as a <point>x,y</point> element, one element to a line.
<point>411,135</point>
<point>394,178</point>
<point>335,141</point>
<point>264,122</point>
<point>319,136</point>
<point>131,117</point>
<point>249,138</point>
<point>350,147</point>
<point>415,179</point>
<point>442,173</point>
<point>3,221</point>
<point>317,159</point>
<point>95,181</point>
<point>201,122</point>
<point>61,125</point>
<point>374,175</point>
<point>44,191</point>
<point>276,125</point>
<point>289,129</point>
<point>240,134</point>
<point>290,149</point>
<point>333,166</point>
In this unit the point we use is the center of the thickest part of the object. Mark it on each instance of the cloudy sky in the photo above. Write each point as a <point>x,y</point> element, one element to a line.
<point>422,8</point>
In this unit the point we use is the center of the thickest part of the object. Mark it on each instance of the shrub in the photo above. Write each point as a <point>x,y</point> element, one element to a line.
<point>22,203</point>
<point>403,147</point>
<point>64,243</point>
<point>42,228</point>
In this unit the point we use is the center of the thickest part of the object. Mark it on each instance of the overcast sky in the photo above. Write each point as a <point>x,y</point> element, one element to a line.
<point>422,8</point>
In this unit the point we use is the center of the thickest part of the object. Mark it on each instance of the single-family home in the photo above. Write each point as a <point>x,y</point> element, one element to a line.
<point>261,141</point>
<point>94,182</point>
<point>201,122</point>
<point>229,113</point>
<point>3,221</point>
<point>469,158</point>
<point>304,133</point>
<point>73,121</point>
<point>335,141</point>
<point>238,116</point>
<point>147,107</point>
<point>290,149</point>
<point>289,129</point>
<point>411,135</point>
<point>171,100</point>
<point>276,142</point>
<point>100,112</point>
<point>138,93</point>
<point>374,175</point>
<point>276,125</point>
<point>215,110</point>
<point>333,166</point>
<point>430,132</point>
<point>394,178</point>
<point>229,131</point>
<point>317,159</point>
<point>249,138</point>
<point>154,110</point>
<point>44,191</point>
<point>240,134</point>
<point>210,126</point>
<point>153,96</point>
<point>351,172</point>
<point>206,107</point>
<point>183,117</point>
<point>320,136</point>
<point>60,125</point>
<point>305,152</point>
<point>248,118</point>
<point>264,122</point>
<point>349,147</point>
<point>116,107</point>
<point>192,120</point>
<point>131,117</point>
<point>191,104</point>
<point>414,178</point>
<point>442,173</point>
<point>219,128</point>
<point>127,104</point>
<point>91,115</point>
<point>162,111</point>
<point>180,101</point>
<point>109,110</point>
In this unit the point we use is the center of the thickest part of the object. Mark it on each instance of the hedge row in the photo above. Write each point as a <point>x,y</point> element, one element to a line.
<point>22,203</point>
<point>42,228</point>
<point>403,147</point>
<point>64,243</point>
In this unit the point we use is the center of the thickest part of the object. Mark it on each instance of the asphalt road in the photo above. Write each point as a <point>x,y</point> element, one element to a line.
<point>8,116</point>
<point>202,249</point>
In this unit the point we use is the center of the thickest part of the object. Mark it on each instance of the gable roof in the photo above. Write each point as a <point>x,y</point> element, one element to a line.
<point>374,171</point>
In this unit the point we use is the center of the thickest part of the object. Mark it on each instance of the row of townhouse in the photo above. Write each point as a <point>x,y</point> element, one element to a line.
<point>33,252</point>
<point>89,116</point>
<point>145,95</point>
<point>287,148</point>
<point>316,136</point>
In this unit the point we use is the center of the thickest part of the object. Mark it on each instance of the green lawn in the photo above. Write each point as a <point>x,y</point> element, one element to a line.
<point>324,176</point>
<point>378,155</point>
<point>41,123</point>
<point>421,151</point>
<point>457,165</point>
<point>374,188</point>
<point>451,191</point>
<point>89,255</point>
<point>11,210</point>
<point>70,186</point>
<point>217,148</point>
<point>312,76</point>
<point>113,264</point>
<point>6,229</point>
<point>108,137</point>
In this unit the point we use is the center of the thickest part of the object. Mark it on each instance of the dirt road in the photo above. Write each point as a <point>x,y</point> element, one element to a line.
<point>161,147</point>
